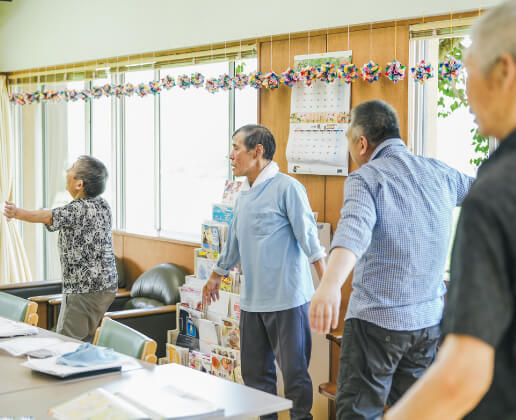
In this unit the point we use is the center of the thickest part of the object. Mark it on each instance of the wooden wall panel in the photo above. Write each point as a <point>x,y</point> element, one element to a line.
<point>139,253</point>
<point>326,192</point>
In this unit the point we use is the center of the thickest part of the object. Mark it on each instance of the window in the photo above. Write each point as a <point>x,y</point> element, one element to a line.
<point>441,125</point>
<point>64,142</point>
<point>167,155</point>
<point>194,145</point>
<point>101,145</point>
<point>139,158</point>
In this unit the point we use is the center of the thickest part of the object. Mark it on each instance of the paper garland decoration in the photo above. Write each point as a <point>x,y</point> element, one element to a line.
<point>422,72</point>
<point>395,71</point>
<point>255,79</point>
<point>449,69</point>
<point>183,81</point>
<point>271,81</point>
<point>241,80</point>
<point>327,73</point>
<point>371,72</point>
<point>348,73</point>
<point>289,77</point>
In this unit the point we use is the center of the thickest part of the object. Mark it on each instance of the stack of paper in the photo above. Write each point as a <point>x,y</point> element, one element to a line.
<point>38,347</point>
<point>10,328</point>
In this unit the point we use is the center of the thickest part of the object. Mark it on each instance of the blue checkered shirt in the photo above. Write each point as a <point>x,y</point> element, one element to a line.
<point>397,219</point>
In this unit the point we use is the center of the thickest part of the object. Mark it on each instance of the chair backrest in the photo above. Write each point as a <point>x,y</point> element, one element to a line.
<point>18,309</point>
<point>126,340</point>
<point>120,269</point>
<point>160,283</point>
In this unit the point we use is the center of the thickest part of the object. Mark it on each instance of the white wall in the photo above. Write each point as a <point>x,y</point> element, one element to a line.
<point>36,33</point>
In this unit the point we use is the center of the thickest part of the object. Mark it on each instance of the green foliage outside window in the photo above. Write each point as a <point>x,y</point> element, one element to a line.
<point>452,96</point>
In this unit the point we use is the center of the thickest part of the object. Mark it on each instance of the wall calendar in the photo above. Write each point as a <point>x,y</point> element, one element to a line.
<point>319,118</point>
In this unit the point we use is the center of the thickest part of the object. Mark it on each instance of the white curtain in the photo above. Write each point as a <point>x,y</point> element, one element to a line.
<point>14,266</point>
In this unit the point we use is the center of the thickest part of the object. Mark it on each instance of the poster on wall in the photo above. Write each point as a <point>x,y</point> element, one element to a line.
<point>319,119</point>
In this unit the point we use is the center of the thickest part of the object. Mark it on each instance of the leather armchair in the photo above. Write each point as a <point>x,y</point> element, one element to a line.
<point>158,286</point>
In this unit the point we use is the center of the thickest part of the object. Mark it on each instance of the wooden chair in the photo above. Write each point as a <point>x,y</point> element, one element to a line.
<point>329,389</point>
<point>18,309</point>
<point>126,340</point>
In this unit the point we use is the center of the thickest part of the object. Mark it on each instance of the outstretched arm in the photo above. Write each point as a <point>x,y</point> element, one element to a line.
<point>33,216</point>
<point>325,305</point>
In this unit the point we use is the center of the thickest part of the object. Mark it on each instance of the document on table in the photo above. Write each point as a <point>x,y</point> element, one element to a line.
<point>10,328</point>
<point>38,347</point>
<point>50,367</point>
<point>159,403</point>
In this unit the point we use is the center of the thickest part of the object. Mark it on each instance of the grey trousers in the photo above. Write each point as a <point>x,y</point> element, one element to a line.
<point>286,337</point>
<point>81,313</point>
<point>378,365</point>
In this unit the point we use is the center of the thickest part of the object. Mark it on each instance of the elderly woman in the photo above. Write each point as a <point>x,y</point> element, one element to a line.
<point>85,246</point>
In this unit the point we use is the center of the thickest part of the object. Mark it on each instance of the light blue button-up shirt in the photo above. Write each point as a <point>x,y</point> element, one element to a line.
<point>397,219</point>
<point>274,236</point>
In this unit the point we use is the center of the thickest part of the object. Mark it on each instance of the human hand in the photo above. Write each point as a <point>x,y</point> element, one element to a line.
<point>210,291</point>
<point>324,308</point>
<point>10,210</point>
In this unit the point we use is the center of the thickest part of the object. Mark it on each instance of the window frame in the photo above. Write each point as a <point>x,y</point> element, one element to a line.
<point>118,146</point>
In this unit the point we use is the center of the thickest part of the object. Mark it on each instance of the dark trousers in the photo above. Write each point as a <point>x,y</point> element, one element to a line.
<point>378,365</point>
<point>286,336</point>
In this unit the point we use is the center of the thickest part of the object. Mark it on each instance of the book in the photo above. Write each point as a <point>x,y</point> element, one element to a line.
<point>233,355</point>
<point>188,328</point>
<point>210,240</point>
<point>234,306</point>
<point>221,306</point>
<point>230,334</point>
<point>222,213</point>
<point>222,366</point>
<point>232,189</point>
<point>191,296</point>
<point>147,402</point>
<point>99,404</point>
<point>227,283</point>
<point>203,265</point>
<point>209,331</point>
<point>200,361</point>
<point>177,354</point>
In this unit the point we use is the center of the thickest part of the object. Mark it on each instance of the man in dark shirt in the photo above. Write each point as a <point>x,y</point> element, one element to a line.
<point>475,371</point>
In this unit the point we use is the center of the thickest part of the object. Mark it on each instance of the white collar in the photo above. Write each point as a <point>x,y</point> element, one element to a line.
<point>268,172</point>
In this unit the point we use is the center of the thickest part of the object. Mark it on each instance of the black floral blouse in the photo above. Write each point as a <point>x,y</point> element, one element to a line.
<point>85,245</point>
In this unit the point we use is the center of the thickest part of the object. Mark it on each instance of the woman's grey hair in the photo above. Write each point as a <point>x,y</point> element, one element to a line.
<point>376,120</point>
<point>493,35</point>
<point>93,174</point>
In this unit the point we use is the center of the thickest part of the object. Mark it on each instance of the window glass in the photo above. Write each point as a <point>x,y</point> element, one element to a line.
<point>102,146</point>
<point>195,149</point>
<point>139,157</point>
<point>246,100</point>
<point>64,143</point>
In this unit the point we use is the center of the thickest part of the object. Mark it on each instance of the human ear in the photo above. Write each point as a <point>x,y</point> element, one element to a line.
<point>364,144</point>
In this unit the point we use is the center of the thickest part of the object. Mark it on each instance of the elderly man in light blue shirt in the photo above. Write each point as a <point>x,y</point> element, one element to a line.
<point>396,223</point>
<point>273,236</point>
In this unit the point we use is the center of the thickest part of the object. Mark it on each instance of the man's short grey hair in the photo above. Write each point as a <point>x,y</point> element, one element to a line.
<point>376,120</point>
<point>255,134</point>
<point>493,35</point>
<point>93,174</point>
